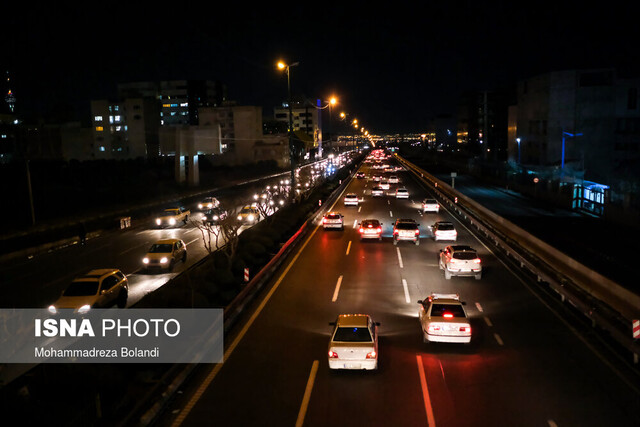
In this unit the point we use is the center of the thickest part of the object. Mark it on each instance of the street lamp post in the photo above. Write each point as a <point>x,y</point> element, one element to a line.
<point>292,157</point>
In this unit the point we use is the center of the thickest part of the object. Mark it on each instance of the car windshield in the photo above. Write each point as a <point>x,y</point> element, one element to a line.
<point>170,212</point>
<point>160,248</point>
<point>79,289</point>
<point>445,227</point>
<point>352,334</point>
<point>439,310</point>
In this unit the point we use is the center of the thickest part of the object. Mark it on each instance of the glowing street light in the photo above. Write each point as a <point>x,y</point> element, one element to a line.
<point>292,158</point>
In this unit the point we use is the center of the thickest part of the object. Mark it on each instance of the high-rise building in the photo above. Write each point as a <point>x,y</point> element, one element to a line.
<point>179,100</point>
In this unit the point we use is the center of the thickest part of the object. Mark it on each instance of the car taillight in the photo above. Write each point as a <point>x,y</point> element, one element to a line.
<point>477,261</point>
<point>448,315</point>
<point>379,229</point>
<point>324,220</point>
<point>395,232</point>
<point>361,230</point>
<point>333,354</point>
<point>372,355</point>
<point>434,328</point>
<point>465,329</point>
<point>417,232</point>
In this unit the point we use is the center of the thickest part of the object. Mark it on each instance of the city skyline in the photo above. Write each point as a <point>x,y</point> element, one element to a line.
<point>394,70</point>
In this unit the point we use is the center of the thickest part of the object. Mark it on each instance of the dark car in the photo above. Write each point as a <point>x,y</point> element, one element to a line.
<point>214,216</point>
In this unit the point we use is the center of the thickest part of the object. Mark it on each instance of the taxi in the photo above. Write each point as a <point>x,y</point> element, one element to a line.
<point>443,319</point>
<point>354,343</point>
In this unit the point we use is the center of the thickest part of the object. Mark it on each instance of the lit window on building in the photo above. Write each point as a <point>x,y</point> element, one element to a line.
<point>97,118</point>
<point>99,128</point>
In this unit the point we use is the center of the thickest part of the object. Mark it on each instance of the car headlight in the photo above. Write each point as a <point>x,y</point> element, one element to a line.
<point>145,260</point>
<point>199,205</point>
<point>172,221</point>
<point>163,260</point>
<point>158,221</point>
<point>52,309</point>
<point>210,205</point>
<point>84,309</point>
<point>250,217</point>
<point>239,217</point>
<point>215,217</point>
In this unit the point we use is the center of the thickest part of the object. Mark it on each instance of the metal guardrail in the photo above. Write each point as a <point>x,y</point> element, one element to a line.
<point>606,303</point>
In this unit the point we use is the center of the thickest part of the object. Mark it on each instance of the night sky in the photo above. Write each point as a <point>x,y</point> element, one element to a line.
<point>392,69</point>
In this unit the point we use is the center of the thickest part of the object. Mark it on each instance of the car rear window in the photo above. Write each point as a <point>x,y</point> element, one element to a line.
<point>439,310</point>
<point>370,223</point>
<point>406,226</point>
<point>445,227</point>
<point>335,216</point>
<point>79,289</point>
<point>352,334</point>
<point>430,201</point>
<point>465,255</point>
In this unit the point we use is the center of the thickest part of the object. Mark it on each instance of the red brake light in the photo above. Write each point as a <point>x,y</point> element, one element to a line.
<point>417,232</point>
<point>371,355</point>
<point>477,261</point>
<point>333,354</point>
<point>361,230</point>
<point>324,220</point>
<point>379,229</point>
<point>448,315</point>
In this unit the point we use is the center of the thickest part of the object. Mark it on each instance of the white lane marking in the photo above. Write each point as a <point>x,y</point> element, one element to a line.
<point>355,223</point>
<point>187,244</point>
<point>388,202</point>
<point>230,349</point>
<point>391,214</point>
<point>133,247</point>
<point>431,421</point>
<point>348,247</point>
<point>400,258</point>
<point>406,291</point>
<point>307,393</point>
<point>337,291</point>
<point>498,339</point>
<point>359,209</point>
<point>487,321</point>
<point>479,307</point>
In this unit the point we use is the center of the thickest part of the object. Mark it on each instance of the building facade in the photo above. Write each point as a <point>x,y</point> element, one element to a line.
<point>125,129</point>
<point>582,123</point>
<point>305,117</point>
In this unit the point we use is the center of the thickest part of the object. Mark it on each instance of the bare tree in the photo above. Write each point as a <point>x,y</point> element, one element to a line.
<point>222,235</point>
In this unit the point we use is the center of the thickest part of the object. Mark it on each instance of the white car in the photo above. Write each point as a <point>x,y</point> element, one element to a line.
<point>393,180</point>
<point>333,220</point>
<point>351,199</point>
<point>459,260</point>
<point>430,205</point>
<point>99,288</point>
<point>384,184</point>
<point>443,319</point>
<point>402,193</point>
<point>354,343</point>
<point>377,191</point>
<point>444,230</point>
